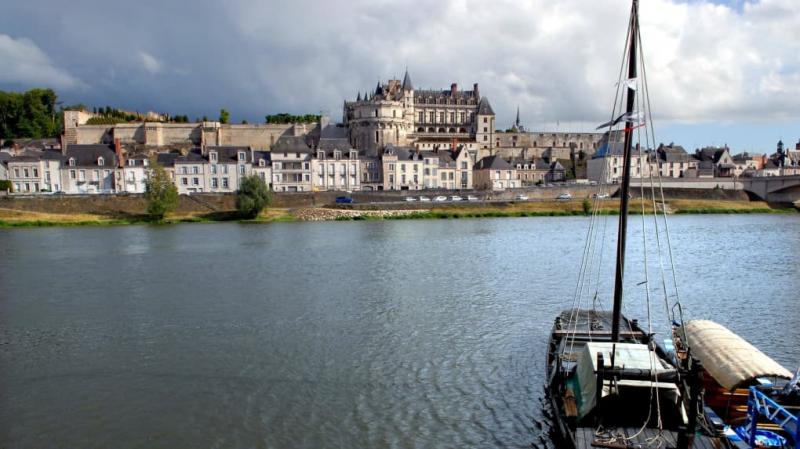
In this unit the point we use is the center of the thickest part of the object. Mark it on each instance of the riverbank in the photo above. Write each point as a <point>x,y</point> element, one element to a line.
<point>10,218</point>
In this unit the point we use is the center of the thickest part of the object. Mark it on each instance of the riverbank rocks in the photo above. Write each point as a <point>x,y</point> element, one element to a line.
<point>325,214</point>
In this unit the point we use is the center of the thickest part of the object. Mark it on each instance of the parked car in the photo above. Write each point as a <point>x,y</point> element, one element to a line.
<point>472,198</point>
<point>410,199</point>
<point>600,196</point>
<point>521,197</point>
<point>456,198</point>
<point>424,198</point>
<point>440,198</point>
<point>565,196</point>
<point>344,199</point>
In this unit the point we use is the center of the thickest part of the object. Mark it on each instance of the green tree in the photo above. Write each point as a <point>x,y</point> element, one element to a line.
<point>253,197</point>
<point>160,192</point>
<point>587,207</point>
<point>224,116</point>
<point>30,114</point>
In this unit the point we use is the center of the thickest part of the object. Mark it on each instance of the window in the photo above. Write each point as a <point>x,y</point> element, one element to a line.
<point>212,156</point>
<point>416,180</point>
<point>213,183</point>
<point>27,173</point>
<point>416,168</point>
<point>306,166</point>
<point>391,167</point>
<point>185,181</point>
<point>101,161</point>
<point>484,121</point>
<point>485,129</point>
<point>47,176</point>
<point>241,156</point>
<point>403,168</point>
<point>241,169</point>
<point>452,176</point>
<point>16,173</point>
<point>72,174</point>
<point>195,181</point>
<point>394,113</point>
<point>195,170</point>
<point>463,165</point>
<point>213,169</point>
<point>421,117</point>
<point>184,170</point>
<point>444,176</point>
<point>462,117</point>
<point>276,165</point>
<point>82,175</point>
<point>403,179</point>
<point>224,183</point>
<point>261,163</point>
<point>376,112</point>
<point>441,117</point>
<point>431,116</point>
<point>35,172</point>
<point>224,169</point>
<point>485,138</point>
<point>72,162</point>
<point>452,117</point>
<point>376,136</point>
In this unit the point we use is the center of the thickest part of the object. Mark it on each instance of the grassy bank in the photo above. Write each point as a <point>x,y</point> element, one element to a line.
<point>11,218</point>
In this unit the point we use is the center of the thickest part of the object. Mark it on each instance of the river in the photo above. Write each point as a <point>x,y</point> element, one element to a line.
<point>386,334</point>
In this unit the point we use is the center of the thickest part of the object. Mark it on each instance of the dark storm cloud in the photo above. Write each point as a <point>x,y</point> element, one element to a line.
<point>557,60</point>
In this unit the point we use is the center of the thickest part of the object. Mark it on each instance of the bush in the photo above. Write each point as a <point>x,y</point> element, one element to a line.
<point>5,185</point>
<point>253,197</point>
<point>160,192</point>
<point>587,206</point>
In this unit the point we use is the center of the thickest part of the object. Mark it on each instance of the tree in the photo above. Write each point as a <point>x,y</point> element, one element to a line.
<point>224,116</point>
<point>30,114</point>
<point>160,192</point>
<point>253,196</point>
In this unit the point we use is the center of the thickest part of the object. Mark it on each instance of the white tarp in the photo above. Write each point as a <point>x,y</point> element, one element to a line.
<point>628,355</point>
<point>730,359</point>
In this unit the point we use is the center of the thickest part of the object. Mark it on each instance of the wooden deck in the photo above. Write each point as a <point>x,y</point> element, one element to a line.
<point>585,439</point>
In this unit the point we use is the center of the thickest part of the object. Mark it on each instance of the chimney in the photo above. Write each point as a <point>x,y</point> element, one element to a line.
<point>63,144</point>
<point>118,151</point>
<point>475,91</point>
<point>453,89</point>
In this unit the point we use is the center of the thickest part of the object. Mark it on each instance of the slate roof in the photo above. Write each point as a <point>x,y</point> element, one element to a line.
<point>87,155</point>
<point>407,82</point>
<point>291,144</point>
<point>265,155</point>
<point>334,137</point>
<point>493,163</point>
<point>403,153</point>
<point>167,159</point>
<point>229,154</point>
<point>484,108</point>
<point>194,156</point>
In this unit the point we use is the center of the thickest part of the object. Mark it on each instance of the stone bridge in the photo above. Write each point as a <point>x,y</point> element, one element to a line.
<point>775,189</point>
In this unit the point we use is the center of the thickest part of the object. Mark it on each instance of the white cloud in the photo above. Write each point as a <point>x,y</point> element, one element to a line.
<point>24,63</point>
<point>557,60</point>
<point>149,62</point>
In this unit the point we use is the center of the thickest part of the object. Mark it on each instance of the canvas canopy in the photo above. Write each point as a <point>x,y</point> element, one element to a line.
<point>730,359</point>
<point>628,355</point>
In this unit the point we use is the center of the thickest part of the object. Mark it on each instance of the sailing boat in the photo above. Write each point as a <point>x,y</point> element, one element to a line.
<point>610,384</point>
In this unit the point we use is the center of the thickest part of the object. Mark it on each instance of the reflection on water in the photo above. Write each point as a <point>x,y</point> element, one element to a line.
<point>366,334</point>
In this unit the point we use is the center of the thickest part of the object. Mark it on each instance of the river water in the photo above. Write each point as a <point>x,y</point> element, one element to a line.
<point>389,334</point>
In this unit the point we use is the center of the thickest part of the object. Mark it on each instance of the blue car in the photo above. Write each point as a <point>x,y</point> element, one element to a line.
<point>344,199</point>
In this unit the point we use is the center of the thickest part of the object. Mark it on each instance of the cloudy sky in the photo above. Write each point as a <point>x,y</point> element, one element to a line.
<point>719,71</point>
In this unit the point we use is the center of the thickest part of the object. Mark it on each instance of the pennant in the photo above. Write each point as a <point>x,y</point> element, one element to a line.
<point>633,116</point>
<point>630,83</point>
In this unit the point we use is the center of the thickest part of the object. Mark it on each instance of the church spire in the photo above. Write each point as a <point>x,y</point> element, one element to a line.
<point>358,98</point>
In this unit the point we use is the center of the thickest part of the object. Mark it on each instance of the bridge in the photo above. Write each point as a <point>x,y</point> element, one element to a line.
<point>774,189</point>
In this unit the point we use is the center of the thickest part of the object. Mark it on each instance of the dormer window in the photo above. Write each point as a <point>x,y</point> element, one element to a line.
<point>242,156</point>
<point>145,162</point>
<point>72,162</point>
<point>337,155</point>
<point>261,163</point>
<point>212,156</point>
<point>101,161</point>
<point>320,155</point>
<point>353,155</point>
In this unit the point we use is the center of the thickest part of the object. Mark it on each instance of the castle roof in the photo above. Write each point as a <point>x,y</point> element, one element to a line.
<point>407,82</point>
<point>484,108</point>
<point>493,163</point>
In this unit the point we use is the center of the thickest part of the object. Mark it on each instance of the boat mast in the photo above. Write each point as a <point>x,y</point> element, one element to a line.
<point>626,172</point>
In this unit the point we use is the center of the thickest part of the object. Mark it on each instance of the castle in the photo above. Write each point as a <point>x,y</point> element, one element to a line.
<point>397,114</point>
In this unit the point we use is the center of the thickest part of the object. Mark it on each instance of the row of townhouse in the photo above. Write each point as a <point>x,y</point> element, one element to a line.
<point>292,165</point>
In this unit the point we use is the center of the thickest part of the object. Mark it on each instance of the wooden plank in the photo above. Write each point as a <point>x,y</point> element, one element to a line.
<point>570,404</point>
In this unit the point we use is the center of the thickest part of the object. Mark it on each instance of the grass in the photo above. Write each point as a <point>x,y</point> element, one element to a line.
<point>12,218</point>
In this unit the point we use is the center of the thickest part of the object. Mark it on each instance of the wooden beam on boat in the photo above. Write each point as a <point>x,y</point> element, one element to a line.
<point>641,374</point>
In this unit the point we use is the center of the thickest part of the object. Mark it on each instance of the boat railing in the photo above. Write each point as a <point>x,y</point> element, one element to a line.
<point>760,405</point>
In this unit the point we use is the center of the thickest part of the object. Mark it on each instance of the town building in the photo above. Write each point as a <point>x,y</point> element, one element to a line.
<point>90,169</point>
<point>495,173</point>
<point>538,171</point>
<point>291,165</point>
<point>35,171</point>
<point>402,168</point>
<point>674,161</point>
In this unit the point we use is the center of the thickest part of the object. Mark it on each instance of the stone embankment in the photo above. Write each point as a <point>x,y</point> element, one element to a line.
<point>326,214</point>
